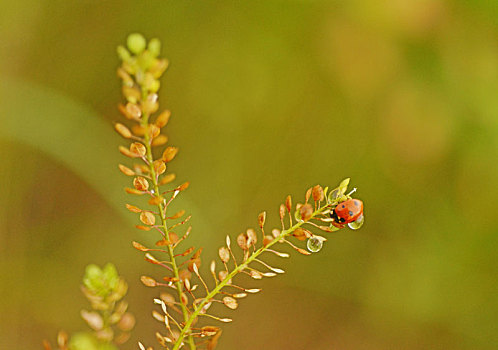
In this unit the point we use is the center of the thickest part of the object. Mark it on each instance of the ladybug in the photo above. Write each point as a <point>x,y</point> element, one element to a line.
<point>346,212</point>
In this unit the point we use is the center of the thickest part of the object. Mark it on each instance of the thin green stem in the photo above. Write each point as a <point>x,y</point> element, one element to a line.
<point>235,271</point>
<point>164,226</point>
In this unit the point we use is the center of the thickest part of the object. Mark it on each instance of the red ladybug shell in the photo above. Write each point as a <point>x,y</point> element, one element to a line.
<point>349,210</point>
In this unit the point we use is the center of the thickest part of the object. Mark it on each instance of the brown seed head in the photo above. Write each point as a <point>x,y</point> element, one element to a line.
<point>184,299</point>
<point>282,211</point>
<point>242,241</point>
<point>209,330</point>
<point>300,234</point>
<point>267,240</point>
<point>306,212</point>
<point>139,246</point>
<point>125,151</point>
<point>150,105</point>
<point>155,200</point>
<point>153,130</point>
<point>183,186</point>
<point>138,130</point>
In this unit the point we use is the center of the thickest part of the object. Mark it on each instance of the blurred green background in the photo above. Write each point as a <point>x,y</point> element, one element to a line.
<point>268,98</point>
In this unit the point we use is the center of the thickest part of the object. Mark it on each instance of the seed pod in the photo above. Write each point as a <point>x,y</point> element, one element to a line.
<point>150,105</point>
<point>230,302</point>
<point>147,218</point>
<point>138,149</point>
<point>261,219</point>
<point>133,111</point>
<point>167,179</point>
<point>159,140</point>
<point>133,208</point>
<point>317,193</point>
<point>300,234</point>
<point>139,246</point>
<point>308,195</point>
<point>251,234</point>
<point>306,212</point>
<point>282,211</point>
<point>267,240</point>
<point>125,170</point>
<point>169,153</point>
<point>159,167</point>
<point>148,281</point>
<point>242,241</point>
<point>163,118</point>
<point>140,183</point>
<point>209,330</point>
<point>138,130</point>
<point>288,203</point>
<point>122,130</point>
<point>153,130</point>
<point>224,254</point>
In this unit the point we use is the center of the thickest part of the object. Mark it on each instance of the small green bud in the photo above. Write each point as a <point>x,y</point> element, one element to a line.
<point>136,43</point>
<point>92,272</point>
<point>83,341</point>
<point>123,54</point>
<point>154,47</point>
<point>107,346</point>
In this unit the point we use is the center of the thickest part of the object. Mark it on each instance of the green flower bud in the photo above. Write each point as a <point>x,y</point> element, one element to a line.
<point>154,47</point>
<point>123,54</point>
<point>83,341</point>
<point>136,43</point>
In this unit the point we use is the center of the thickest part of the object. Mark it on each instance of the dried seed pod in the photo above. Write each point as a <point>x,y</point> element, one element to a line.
<point>138,130</point>
<point>144,228</point>
<point>253,238</point>
<point>133,208</point>
<point>256,275</point>
<point>230,302</point>
<point>147,218</point>
<point>159,140</point>
<point>123,130</point>
<point>242,241</point>
<point>209,330</point>
<point>261,219</point>
<point>159,167</point>
<point>183,186</point>
<point>224,254</point>
<point>184,275</point>
<point>308,195</point>
<point>306,212</point>
<point>139,246</point>
<point>127,322</point>
<point>178,214</point>
<point>132,94</point>
<point>167,179</point>
<point>301,234</point>
<point>169,153</point>
<point>317,193</point>
<point>288,203</point>
<point>133,191</point>
<point>138,149</point>
<point>140,183</point>
<point>148,281</point>
<point>275,232</point>
<point>222,275</point>
<point>93,319</point>
<point>155,200</point>
<point>163,118</point>
<point>133,111</point>
<point>125,170</point>
<point>150,105</point>
<point>267,240</point>
<point>184,299</point>
<point>153,130</point>
<point>282,211</point>
<point>126,152</point>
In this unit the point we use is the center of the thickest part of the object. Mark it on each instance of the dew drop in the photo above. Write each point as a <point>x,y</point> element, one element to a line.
<point>314,244</point>
<point>357,224</point>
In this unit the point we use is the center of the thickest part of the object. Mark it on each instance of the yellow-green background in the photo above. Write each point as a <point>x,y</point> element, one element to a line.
<point>268,98</point>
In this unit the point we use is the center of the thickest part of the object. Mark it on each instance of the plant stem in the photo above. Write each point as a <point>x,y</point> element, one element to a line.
<point>162,213</point>
<point>235,271</point>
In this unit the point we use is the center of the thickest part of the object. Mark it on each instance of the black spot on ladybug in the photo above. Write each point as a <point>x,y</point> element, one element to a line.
<point>350,213</point>
<point>343,206</point>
